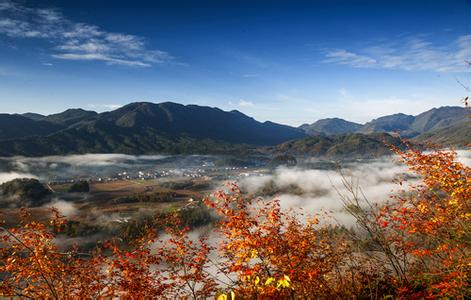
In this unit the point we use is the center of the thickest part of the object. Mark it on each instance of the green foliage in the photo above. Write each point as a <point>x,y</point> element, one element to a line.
<point>79,187</point>
<point>271,189</point>
<point>195,214</point>
<point>23,192</point>
<point>239,161</point>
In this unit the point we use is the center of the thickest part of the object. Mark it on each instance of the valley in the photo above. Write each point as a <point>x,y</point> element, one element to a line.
<point>177,155</point>
<point>125,193</point>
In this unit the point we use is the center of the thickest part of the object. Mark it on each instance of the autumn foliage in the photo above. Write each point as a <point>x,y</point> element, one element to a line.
<point>416,246</point>
<point>430,226</point>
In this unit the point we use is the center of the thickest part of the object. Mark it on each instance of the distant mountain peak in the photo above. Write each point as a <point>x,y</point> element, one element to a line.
<point>411,126</point>
<point>330,126</point>
<point>71,116</point>
<point>390,123</point>
<point>33,116</point>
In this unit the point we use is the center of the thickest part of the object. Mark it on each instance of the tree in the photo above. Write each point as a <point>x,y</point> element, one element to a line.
<point>430,225</point>
<point>32,265</point>
<point>267,252</point>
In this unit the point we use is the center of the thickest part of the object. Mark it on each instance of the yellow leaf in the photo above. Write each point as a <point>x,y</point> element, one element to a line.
<point>257,280</point>
<point>222,297</point>
<point>284,283</point>
<point>269,280</point>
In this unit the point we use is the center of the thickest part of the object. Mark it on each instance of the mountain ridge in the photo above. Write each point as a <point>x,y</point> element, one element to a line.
<point>408,126</point>
<point>145,127</point>
<point>173,128</point>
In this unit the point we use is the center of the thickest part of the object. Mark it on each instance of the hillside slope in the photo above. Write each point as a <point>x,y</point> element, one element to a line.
<point>355,145</point>
<point>17,126</point>
<point>458,135</point>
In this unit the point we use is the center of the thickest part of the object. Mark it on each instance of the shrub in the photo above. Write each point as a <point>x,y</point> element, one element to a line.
<point>79,187</point>
<point>24,192</point>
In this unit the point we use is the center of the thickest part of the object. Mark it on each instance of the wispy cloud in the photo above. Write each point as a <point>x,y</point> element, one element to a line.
<point>77,41</point>
<point>342,56</point>
<point>242,103</point>
<point>412,54</point>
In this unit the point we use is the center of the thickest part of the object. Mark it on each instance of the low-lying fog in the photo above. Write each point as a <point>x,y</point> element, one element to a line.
<point>93,166</point>
<point>306,185</point>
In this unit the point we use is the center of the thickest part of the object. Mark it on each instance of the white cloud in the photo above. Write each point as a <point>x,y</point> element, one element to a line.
<point>412,54</point>
<point>101,57</point>
<point>345,57</point>
<point>104,106</point>
<point>242,104</point>
<point>66,209</point>
<point>320,190</point>
<point>7,176</point>
<point>464,156</point>
<point>77,41</point>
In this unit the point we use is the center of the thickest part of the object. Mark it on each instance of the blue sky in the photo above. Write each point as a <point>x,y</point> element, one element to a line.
<point>290,62</point>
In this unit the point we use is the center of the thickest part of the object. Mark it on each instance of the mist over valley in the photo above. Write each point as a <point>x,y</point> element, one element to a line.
<point>126,191</point>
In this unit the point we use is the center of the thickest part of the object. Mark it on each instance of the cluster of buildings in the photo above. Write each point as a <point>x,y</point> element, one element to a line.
<point>217,173</point>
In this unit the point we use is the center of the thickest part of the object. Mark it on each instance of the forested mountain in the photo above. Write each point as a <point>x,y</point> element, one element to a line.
<point>330,126</point>
<point>18,126</point>
<point>393,123</point>
<point>457,135</point>
<point>150,128</point>
<point>426,122</point>
<point>356,145</point>
<point>71,116</point>
<point>145,128</point>
<point>177,120</point>
<point>448,125</point>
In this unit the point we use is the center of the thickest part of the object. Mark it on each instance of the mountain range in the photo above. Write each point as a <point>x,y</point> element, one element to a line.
<point>139,128</point>
<point>148,128</point>
<point>446,125</point>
